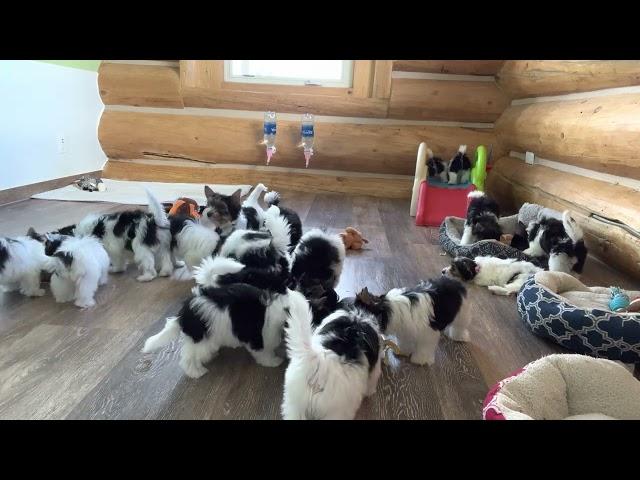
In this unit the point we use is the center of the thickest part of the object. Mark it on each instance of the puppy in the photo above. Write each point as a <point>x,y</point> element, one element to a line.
<point>502,276</point>
<point>561,241</point>
<point>191,242</point>
<point>78,266</point>
<point>482,219</point>
<point>317,260</point>
<point>436,167</point>
<point>221,210</point>
<point>21,261</point>
<point>227,315</point>
<point>134,235</point>
<point>332,368</point>
<point>295,224</point>
<point>416,316</point>
<point>459,167</point>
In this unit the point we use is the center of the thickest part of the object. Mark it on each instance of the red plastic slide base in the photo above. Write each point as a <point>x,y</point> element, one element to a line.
<point>437,202</point>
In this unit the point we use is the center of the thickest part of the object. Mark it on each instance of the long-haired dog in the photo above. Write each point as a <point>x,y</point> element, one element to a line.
<point>561,241</point>
<point>417,316</point>
<point>78,266</point>
<point>501,276</point>
<point>436,167</point>
<point>317,260</point>
<point>332,368</point>
<point>227,315</point>
<point>459,167</point>
<point>191,242</point>
<point>143,237</point>
<point>222,210</point>
<point>482,219</point>
<point>21,261</point>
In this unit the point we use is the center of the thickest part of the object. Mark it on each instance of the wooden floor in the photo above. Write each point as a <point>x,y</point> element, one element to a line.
<point>57,361</point>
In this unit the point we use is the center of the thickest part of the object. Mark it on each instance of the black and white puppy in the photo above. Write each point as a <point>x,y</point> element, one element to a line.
<point>21,261</point>
<point>436,167</point>
<point>221,210</point>
<point>332,368</point>
<point>295,224</point>
<point>228,315</point>
<point>416,316</point>
<point>560,241</point>
<point>459,167</point>
<point>502,276</point>
<point>79,265</point>
<point>143,237</point>
<point>317,260</point>
<point>482,219</point>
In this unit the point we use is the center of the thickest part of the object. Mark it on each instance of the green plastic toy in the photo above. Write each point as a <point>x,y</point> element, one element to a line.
<point>479,169</point>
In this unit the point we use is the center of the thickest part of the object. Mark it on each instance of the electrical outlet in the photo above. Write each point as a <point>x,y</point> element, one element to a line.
<point>62,144</point>
<point>529,157</point>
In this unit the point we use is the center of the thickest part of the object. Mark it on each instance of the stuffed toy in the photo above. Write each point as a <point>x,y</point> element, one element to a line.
<point>185,206</point>
<point>353,239</point>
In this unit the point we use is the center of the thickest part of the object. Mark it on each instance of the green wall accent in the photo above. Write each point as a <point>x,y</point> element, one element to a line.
<point>91,65</point>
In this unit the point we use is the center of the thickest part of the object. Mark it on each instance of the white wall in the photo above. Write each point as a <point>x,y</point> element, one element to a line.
<point>38,103</point>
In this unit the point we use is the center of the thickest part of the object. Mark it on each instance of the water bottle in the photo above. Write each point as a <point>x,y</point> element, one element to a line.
<point>307,136</point>
<point>270,134</point>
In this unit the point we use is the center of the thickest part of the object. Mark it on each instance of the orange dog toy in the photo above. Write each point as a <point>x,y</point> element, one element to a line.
<point>353,239</point>
<point>185,206</point>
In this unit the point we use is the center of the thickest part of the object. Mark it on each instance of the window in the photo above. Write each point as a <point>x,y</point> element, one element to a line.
<point>324,73</point>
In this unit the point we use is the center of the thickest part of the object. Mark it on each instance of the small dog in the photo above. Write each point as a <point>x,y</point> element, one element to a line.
<point>332,368</point>
<point>436,167</point>
<point>134,235</point>
<point>561,241</point>
<point>227,315</point>
<point>317,260</point>
<point>459,167</point>
<point>191,242</point>
<point>78,266</point>
<point>502,276</point>
<point>416,316</point>
<point>482,219</point>
<point>222,210</point>
<point>21,261</point>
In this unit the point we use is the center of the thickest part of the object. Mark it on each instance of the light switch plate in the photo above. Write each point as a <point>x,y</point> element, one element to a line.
<point>529,157</point>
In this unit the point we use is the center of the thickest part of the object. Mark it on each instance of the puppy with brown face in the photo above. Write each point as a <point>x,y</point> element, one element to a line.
<point>417,316</point>
<point>501,276</point>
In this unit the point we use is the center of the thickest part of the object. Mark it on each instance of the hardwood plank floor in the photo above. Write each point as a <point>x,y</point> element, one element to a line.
<point>60,362</point>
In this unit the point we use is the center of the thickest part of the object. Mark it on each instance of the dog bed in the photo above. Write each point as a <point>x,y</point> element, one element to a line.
<point>559,307</point>
<point>565,387</point>
<point>452,227</point>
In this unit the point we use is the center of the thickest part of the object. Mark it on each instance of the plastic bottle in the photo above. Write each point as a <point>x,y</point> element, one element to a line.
<point>307,132</point>
<point>270,134</point>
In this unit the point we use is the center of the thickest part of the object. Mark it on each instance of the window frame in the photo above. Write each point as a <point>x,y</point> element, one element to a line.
<point>346,82</point>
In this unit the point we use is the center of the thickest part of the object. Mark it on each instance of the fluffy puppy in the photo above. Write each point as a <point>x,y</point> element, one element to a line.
<point>191,242</point>
<point>502,276</point>
<point>561,241</point>
<point>416,316</point>
<point>143,237</point>
<point>482,219</point>
<point>21,261</point>
<point>295,224</point>
<point>459,167</point>
<point>317,260</point>
<point>219,271</point>
<point>227,315</point>
<point>78,266</point>
<point>332,368</point>
<point>436,167</point>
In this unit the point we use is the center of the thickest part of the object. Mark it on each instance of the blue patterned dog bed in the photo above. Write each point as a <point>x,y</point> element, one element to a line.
<point>595,331</point>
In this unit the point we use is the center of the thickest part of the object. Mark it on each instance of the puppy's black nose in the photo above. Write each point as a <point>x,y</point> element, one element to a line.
<point>444,271</point>
<point>210,213</point>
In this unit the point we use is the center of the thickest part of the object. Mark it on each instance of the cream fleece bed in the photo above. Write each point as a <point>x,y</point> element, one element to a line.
<point>566,387</point>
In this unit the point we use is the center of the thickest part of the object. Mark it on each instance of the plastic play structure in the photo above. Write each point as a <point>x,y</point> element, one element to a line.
<point>433,200</point>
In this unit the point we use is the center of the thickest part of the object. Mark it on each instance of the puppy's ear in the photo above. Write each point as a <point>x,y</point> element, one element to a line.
<point>237,195</point>
<point>365,297</point>
<point>208,192</point>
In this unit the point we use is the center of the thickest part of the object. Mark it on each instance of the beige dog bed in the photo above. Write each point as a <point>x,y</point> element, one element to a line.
<point>566,387</point>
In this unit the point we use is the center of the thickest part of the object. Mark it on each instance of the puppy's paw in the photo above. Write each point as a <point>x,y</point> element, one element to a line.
<point>457,335</point>
<point>85,303</point>
<point>423,359</point>
<point>33,293</point>
<point>194,371</point>
<point>146,277</point>
<point>268,360</point>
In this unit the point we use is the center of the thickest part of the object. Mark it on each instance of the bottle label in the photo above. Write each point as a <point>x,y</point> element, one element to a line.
<point>269,128</point>
<point>307,130</point>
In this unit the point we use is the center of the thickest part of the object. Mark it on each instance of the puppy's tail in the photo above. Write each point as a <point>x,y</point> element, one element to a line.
<point>475,194</point>
<point>462,149</point>
<point>157,210</point>
<point>272,198</point>
<point>254,196</point>
<point>169,333</point>
<point>279,228</point>
<point>298,331</point>
<point>429,153</point>
<point>571,227</point>
<point>86,226</point>
<point>207,273</point>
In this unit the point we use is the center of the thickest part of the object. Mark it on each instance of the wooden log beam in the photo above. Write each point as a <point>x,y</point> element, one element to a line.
<point>599,133</point>
<point>458,67</point>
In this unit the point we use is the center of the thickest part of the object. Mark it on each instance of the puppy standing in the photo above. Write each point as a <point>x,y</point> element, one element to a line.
<point>416,316</point>
<point>502,276</point>
<point>78,266</point>
<point>482,219</point>
<point>21,261</point>
<point>332,368</point>
<point>436,167</point>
